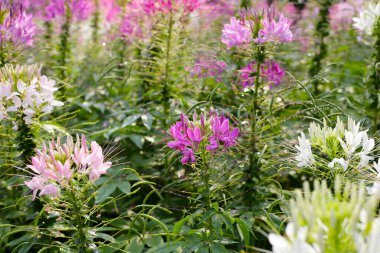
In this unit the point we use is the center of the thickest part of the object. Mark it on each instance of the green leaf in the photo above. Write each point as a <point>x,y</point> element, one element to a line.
<point>243,231</point>
<point>168,247</point>
<point>124,186</point>
<point>147,120</point>
<point>218,248</point>
<point>217,221</point>
<point>19,240</point>
<point>104,236</point>
<point>130,119</point>
<point>137,139</point>
<point>136,246</point>
<point>105,191</point>
<point>154,241</point>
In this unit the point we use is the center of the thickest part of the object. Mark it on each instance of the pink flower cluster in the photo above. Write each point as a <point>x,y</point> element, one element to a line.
<point>190,136</point>
<point>270,71</point>
<point>17,26</point>
<point>80,9</point>
<point>205,68</point>
<point>165,6</point>
<point>54,167</point>
<point>138,16</point>
<point>341,15</point>
<point>239,33</point>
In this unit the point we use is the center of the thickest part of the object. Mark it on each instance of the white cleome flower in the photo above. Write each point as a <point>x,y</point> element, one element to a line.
<point>370,243</point>
<point>304,155</point>
<point>23,89</point>
<point>294,243</point>
<point>367,18</point>
<point>343,163</point>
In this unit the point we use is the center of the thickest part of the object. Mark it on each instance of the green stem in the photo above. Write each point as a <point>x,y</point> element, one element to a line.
<point>95,23</point>
<point>64,50</point>
<point>207,195</point>
<point>3,60</point>
<point>322,31</point>
<point>253,159</point>
<point>374,79</point>
<point>25,139</point>
<point>245,4</point>
<point>166,88</point>
<point>79,225</point>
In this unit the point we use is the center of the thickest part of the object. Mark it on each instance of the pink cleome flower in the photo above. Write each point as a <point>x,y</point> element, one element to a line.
<point>190,136</point>
<point>211,68</point>
<point>236,34</point>
<point>80,9</point>
<point>270,71</point>
<point>17,26</point>
<point>239,33</point>
<point>53,168</point>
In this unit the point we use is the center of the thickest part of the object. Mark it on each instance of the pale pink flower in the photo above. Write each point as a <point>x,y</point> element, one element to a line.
<point>274,30</point>
<point>55,167</point>
<point>236,34</point>
<point>341,15</point>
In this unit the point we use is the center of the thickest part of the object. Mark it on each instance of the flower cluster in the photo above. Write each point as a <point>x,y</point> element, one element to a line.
<point>335,147</point>
<point>190,137</point>
<point>270,71</point>
<point>165,6</point>
<point>240,32</point>
<point>16,26</point>
<point>341,15</point>
<point>79,9</point>
<point>318,217</point>
<point>204,68</point>
<point>368,18</point>
<point>24,90</point>
<point>55,166</point>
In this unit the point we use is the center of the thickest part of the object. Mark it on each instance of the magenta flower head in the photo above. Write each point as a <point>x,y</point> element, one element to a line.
<point>190,137</point>
<point>56,167</point>
<point>270,72</point>
<point>16,26</point>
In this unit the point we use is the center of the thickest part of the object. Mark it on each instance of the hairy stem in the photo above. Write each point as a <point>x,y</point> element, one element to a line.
<point>374,79</point>
<point>245,3</point>
<point>166,88</point>
<point>3,60</point>
<point>95,23</point>
<point>26,142</point>
<point>253,158</point>
<point>64,50</point>
<point>322,31</point>
<point>79,224</point>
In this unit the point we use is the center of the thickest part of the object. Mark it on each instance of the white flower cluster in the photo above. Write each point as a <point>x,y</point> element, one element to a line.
<point>335,147</point>
<point>24,90</point>
<point>295,241</point>
<point>368,18</point>
<point>319,217</point>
